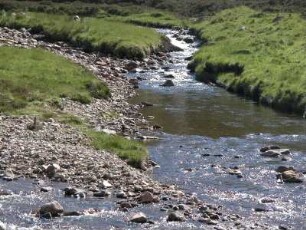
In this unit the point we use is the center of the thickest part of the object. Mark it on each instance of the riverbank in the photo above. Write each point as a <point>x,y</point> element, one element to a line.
<point>118,38</point>
<point>57,151</point>
<point>255,55</point>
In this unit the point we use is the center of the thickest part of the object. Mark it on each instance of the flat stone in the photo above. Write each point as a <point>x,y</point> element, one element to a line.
<point>53,209</point>
<point>292,176</point>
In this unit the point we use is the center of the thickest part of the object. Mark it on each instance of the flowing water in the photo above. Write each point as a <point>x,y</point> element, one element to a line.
<point>207,130</point>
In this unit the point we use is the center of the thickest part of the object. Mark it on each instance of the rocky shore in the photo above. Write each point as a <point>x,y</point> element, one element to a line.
<point>58,152</point>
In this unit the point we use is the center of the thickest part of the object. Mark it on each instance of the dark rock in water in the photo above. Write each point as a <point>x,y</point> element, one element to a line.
<point>52,209</point>
<point>147,197</point>
<point>121,195</point>
<point>260,209</point>
<point>270,147</point>
<point>267,200</point>
<point>144,103</point>
<point>188,40</point>
<point>206,155</point>
<point>169,76</point>
<point>5,192</point>
<point>168,83</point>
<point>291,176</point>
<point>71,191</point>
<point>102,193</point>
<point>46,189</point>
<point>282,169</point>
<point>139,218</point>
<point>131,66</point>
<point>176,216</point>
<point>51,170</point>
<point>9,175</point>
<point>72,213</point>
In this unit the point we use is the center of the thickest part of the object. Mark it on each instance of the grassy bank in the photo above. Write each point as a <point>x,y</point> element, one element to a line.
<point>94,34</point>
<point>257,55</point>
<point>33,76</point>
<point>32,81</point>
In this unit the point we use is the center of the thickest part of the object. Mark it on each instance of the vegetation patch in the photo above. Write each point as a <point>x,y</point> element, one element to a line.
<point>257,55</point>
<point>93,34</point>
<point>132,151</point>
<point>31,77</point>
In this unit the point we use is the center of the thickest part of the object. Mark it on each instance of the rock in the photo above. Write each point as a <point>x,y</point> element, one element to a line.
<point>102,193</point>
<point>282,169</point>
<point>291,176</point>
<point>4,192</point>
<point>188,40</point>
<point>121,195</point>
<point>46,189</point>
<point>131,66</point>
<point>176,216</point>
<point>169,76</point>
<point>52,209</point>
<point>270,147</point>
<point>146,197</point>
<point>9,175</point>
<point>267,200</point>
<point>72,213</point>
<point>139,218</point>
<point>168,83</point>
<point>144,103</point>
<point>109,132</point>
<point>52,169</point>
<point>134,82</point>
<point>72,191</point>
<point>105,184</point>
<point>270,153</point>
<point>236,172</point>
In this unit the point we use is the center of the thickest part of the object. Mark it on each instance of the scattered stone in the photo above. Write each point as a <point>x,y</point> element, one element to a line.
<point>51,170</point>
<point>270,147</point>
<point>72,213</point>
<point>147,104</point>
<point>105,184</point>
<point>147,197</point>
<point>140,218</point>
<point>121,195</point>
<point>282,169</point>
<point>170,76</point>
<point>168,83</point>
<point>131,66</point>
<point>46,189</point>
<point>103,193</point>
<point>4,192</point>
<point>52,209</point>
<point>176,216</point>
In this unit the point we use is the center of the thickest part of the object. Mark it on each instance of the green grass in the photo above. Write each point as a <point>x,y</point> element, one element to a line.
<point>112,37</point>
<point>132,151</point>
<point>32,77</point>
<point>258,55</point>
<point>145,16</point>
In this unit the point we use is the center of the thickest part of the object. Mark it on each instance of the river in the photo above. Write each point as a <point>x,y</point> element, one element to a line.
<point>207,130</point>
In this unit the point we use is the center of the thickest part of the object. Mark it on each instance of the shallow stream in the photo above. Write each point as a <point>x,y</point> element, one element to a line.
<point>207,130</point>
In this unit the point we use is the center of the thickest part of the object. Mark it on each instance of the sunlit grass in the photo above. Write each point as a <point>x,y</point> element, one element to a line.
<point>269,47</point>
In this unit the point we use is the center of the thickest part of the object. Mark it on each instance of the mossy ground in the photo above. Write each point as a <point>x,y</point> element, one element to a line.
<point>255,54</point>
<point>33,81</point>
